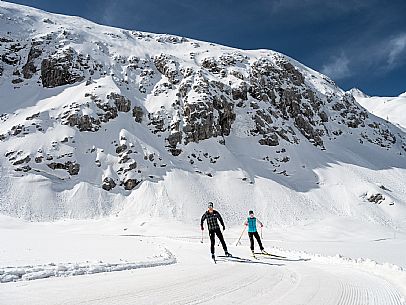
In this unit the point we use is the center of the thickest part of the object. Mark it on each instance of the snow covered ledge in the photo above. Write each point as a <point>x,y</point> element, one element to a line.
<point>33,272</point>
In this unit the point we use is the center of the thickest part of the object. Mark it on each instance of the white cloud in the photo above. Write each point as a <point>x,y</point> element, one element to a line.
<point>337,68</point>
<point>397,46</point>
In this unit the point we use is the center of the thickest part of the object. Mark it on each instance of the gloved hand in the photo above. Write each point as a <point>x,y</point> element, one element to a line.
<point>224,228</point>
<point>202,228</point>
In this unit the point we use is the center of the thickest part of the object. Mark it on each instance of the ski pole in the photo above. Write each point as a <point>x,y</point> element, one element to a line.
<point>238,241</point>
<point>261,232</point>
<point>202,237</point>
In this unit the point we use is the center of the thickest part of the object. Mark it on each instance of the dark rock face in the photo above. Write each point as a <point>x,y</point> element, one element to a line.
<point>17,81</point>
<point>307,130</point>
<point>212,115</point>
<point>270,140</point>
<point>211,65</point>
<point>21,161</point>
<point>83,123</point>
<point>350,111</point>
<point>282,85</point>
<point>199,118</point>
<point>226,115</point>
<point>60,70</point>
<point>129,184</point>
<point>323,116</point>
<point>241,93</point>
<point>109,110</point>
<point>138,114</point>
<point>71,167</point>
<point>376,198</point>
<point>11,58</point>
<point>121,148</point>
<point>29,69</point>
<point>174,139</point>
<point>168,67</point>
<point>108,184</point>
<point>122,103</point>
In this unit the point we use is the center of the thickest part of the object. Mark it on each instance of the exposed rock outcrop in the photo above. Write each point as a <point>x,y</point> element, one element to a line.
<point>60,69</point>
<point>71,167</point>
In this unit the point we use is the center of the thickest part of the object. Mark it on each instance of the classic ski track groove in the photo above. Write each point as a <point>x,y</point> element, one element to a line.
<point>358,291</point>
<point>202,282</point>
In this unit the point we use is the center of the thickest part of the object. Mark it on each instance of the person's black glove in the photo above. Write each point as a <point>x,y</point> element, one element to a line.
<point>224,228</point>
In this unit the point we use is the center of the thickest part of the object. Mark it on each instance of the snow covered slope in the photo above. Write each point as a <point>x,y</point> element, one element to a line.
<point>391,109</point>
<point>98,120</point>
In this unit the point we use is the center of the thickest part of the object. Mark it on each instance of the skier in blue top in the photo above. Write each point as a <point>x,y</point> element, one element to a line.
<point>251,222</point>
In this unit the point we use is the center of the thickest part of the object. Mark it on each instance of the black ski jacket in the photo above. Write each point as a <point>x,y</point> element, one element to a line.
<point>211,218</point>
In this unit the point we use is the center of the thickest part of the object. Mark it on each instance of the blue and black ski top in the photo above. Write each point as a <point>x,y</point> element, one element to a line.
<point>252,224</point>
<point>211,218</point>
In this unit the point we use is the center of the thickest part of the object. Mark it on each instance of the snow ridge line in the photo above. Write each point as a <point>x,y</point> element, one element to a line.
<point>28,273</point>
<point>390,272</point>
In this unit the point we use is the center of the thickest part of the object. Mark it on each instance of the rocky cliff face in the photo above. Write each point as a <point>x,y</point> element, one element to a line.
<point>105,90</point>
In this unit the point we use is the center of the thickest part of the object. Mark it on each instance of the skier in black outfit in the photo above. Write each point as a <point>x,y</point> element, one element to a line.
<point>212,216</point>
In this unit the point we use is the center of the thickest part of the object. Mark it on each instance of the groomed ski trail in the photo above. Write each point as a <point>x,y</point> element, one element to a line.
<point>196,280</point>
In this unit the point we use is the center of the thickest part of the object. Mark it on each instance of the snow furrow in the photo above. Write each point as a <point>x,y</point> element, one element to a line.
<point>27,273</point>
<point>357,290</point>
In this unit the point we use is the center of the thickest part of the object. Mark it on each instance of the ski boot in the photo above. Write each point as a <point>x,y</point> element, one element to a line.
<point>228,254</point>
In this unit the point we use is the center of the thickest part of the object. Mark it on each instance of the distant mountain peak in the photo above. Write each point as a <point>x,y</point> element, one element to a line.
<point>357,93</point>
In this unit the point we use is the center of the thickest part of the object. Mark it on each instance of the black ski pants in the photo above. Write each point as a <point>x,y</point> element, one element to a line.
<point>251,236</point>
<point>212,234</point>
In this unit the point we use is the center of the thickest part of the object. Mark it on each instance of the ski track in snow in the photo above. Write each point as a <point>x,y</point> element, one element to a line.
<point>300,279</point>
<point>360,291</point>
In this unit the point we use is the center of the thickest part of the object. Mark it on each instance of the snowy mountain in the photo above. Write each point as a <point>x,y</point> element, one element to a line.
<point>357,93</point>
<point>98,120</point>
<point>391,109</point>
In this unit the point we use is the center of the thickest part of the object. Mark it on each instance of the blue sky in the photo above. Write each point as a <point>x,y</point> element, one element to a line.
<point>358,43</point>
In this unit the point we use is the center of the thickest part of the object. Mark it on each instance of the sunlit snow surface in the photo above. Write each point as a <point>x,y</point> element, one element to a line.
<point>143,246</point>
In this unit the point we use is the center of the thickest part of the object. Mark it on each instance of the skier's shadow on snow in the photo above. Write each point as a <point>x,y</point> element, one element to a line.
<point>245,261</point>
<point>249,262</point>
<point>288,259</point>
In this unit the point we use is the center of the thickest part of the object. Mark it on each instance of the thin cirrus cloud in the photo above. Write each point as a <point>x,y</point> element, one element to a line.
<point>379,56</point>
<point>338,67</point>
<point>109,14</point>
<point>396,50</point>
